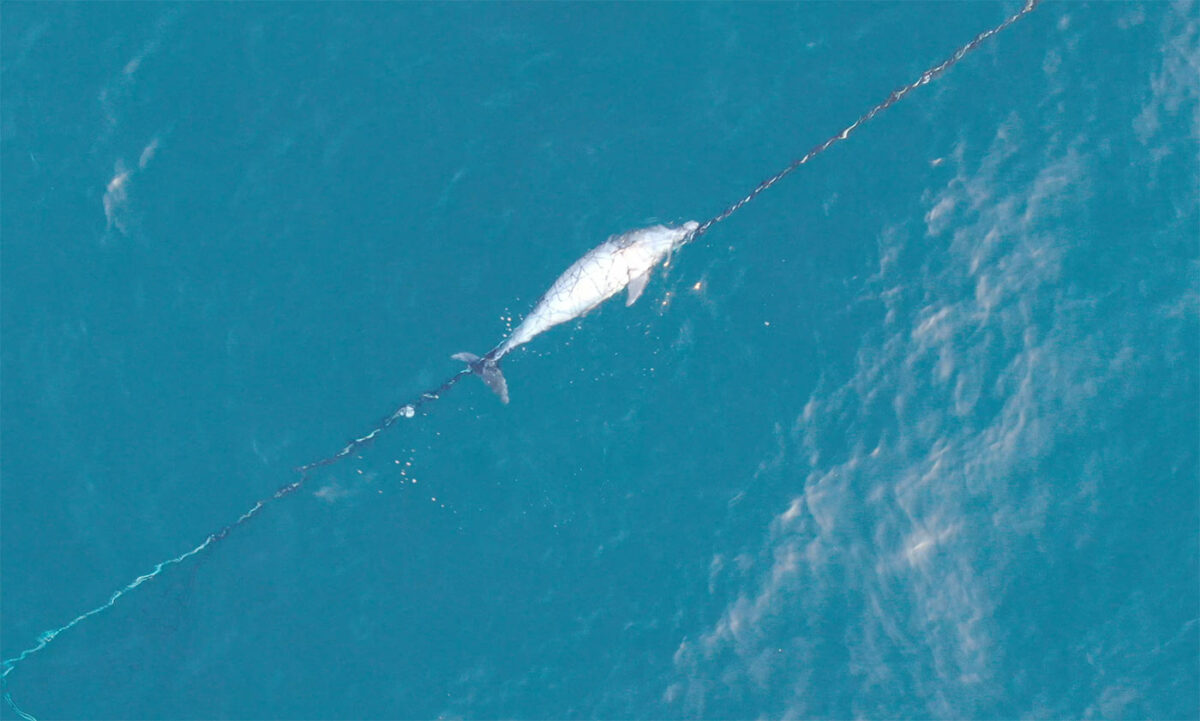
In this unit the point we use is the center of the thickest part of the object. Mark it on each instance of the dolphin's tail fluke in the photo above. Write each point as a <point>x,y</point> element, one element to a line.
<point>489,370</point>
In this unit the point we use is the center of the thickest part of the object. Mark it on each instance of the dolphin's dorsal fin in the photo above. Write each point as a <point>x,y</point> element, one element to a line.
<point>635,288</point>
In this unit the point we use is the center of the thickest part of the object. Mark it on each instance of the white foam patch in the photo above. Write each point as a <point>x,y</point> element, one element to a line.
<point>1173,85</point>
<point>119,213</point>
<point>116,199</point>
<point>985,364</point>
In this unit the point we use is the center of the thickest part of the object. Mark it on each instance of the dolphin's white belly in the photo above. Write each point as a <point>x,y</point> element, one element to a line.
<point>597,276</point>
<point>600,274</point>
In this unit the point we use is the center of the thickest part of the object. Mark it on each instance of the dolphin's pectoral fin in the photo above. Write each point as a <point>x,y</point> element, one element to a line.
<point>635,288</point>
<point>488,370</point>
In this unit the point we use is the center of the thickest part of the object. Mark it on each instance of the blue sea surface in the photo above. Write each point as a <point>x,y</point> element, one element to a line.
<point>915,434</point>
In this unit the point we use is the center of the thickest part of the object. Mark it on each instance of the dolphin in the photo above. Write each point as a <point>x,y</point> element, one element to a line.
<point>623,262</point>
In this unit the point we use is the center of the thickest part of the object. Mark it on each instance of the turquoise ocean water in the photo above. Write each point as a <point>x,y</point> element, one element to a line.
<point>913,435</point>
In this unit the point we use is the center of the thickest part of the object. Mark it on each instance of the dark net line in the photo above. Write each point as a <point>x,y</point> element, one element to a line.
<point>408,410</point>
<point>891,100</point>
<point>45,638</point>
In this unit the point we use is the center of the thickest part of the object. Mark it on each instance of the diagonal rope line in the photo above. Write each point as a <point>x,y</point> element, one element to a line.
<point>891,100</point>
